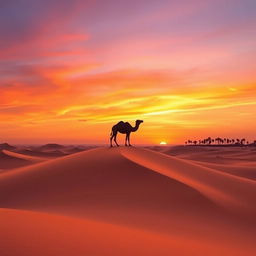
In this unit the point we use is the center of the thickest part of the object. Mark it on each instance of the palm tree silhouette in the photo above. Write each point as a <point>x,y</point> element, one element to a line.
<point>242,141</point>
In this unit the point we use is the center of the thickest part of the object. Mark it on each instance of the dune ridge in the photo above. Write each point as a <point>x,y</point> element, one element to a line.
<point>225,189</point>
<point>34,159</point>
<point>244,171</point>
<point>8,162</point>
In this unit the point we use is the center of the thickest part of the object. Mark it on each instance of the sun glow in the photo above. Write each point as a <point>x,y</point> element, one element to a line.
<point>163,143</point>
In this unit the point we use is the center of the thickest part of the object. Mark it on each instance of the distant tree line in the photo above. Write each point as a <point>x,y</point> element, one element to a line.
<point>221,141</point>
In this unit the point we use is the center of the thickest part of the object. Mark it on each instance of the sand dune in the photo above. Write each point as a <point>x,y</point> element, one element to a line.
<point>238,170</point>
<point>37,153</point>
<point>33,159</point>
<point>7,146</point>
<point>9,162</point>
<point>239,161</point>
<point>138,192</point>
<point>30,233</point>
<point>224,189</point>
<point>81,185</point>
<point>52,150</point>
<point>51,146</point>
<point>220,155</point>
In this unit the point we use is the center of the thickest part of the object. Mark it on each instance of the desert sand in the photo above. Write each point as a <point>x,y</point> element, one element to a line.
<point>129,201</point>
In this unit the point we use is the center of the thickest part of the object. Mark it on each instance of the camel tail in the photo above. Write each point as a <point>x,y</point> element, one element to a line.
<point>111,133</point>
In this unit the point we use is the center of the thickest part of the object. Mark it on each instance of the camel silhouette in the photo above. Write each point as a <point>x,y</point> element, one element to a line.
<point>124,128</point>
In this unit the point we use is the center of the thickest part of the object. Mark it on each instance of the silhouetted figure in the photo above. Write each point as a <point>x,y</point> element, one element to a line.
<point>125,128</point>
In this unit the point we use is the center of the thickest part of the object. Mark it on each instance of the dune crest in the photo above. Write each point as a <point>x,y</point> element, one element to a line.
<point>8,162</point>
<point>224,189</point>
<point>244,171</point>
<point>34,159</point>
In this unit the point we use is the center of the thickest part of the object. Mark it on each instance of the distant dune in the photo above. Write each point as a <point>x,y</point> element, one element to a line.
<point>51,146</point>
<point>18,156</point>
<point>10,162</point>
<point>38,153</point>
<point>6,146</point>
<point>238,170</point>
<point>151,203</point>
<point>239,161</point>
<point>33,159</point>
<point>215,154</point>
<point>10,159</point>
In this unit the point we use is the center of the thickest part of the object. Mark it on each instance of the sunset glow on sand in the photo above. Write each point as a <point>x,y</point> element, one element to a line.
<point>69,71</point>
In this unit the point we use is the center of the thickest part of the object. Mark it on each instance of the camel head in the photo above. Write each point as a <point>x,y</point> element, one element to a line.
<point>138,122</point>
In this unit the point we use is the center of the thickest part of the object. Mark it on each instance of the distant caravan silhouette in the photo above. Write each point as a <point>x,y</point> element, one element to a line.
<point>124,128</point>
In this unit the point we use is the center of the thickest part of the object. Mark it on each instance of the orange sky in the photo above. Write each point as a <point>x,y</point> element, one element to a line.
<point>69,72</point>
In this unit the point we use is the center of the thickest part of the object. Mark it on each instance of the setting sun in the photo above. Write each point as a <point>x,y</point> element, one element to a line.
<point>163,143</point>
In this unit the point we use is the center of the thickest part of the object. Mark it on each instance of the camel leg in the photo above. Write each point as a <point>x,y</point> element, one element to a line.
<point>126,139</point>
<point>111,138</point>
<point>115,140</point>
<point>129,139</point>
<point>113,135</point>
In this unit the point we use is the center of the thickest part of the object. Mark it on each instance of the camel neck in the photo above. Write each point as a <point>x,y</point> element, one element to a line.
<point>135,128</point>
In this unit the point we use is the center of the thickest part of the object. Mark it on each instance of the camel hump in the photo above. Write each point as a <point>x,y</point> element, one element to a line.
<point>120,123</point>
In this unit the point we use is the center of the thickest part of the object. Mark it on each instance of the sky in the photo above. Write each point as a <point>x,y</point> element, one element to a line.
<point>70,70</point>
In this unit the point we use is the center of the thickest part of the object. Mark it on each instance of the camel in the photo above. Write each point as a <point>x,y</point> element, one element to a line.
<point>124,128</point>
